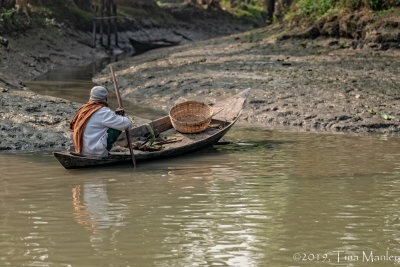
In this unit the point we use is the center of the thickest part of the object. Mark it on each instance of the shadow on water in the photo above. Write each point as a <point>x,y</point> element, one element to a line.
<point>74,84</point>
<point>242,147</point>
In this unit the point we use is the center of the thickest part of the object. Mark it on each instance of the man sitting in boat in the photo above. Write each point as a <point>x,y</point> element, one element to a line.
<point>96,127</point>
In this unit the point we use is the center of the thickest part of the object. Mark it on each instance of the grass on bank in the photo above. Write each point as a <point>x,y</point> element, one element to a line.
<point>313,10</point>
<point>13,22</point>
<point>253,11</point>
<point>59,12</point>
<point>142,13</point>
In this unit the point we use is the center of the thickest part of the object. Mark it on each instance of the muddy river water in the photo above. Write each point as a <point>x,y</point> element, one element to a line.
<point>268,198</point>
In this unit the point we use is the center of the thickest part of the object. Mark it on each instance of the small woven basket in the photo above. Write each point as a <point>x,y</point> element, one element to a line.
<point>191,116</point>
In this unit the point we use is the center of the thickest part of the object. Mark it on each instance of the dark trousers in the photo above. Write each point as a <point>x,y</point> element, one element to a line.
<point>112,137</point>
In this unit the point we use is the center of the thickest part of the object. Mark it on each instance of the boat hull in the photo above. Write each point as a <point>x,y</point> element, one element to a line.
<point>71,161</point>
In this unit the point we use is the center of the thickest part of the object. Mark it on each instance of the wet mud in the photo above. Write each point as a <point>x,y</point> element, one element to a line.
<point>321,85</point>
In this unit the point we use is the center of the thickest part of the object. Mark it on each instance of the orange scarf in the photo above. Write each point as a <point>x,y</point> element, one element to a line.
<point>80,120</point>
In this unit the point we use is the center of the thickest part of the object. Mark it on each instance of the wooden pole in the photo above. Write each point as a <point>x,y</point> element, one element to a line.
<point>94,27</point>
<point>109,24</point>
<point>115,24</point>
<point>94,33</point>
<point>128,136</point>
<point>101,21</point>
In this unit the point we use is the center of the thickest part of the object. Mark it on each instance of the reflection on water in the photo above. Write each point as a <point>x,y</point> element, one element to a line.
<point>254,202</point>
<point>93,210</point>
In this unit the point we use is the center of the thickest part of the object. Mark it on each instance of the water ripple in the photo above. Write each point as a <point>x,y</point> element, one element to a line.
<point>254,202</point>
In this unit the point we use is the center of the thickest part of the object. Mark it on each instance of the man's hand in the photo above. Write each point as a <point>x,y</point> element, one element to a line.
<point>120,111</point>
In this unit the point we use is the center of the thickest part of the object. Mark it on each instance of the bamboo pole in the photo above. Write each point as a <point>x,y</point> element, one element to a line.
<point>128,136</point>
<point>94,27</point>
<point>101,21</point>
<point>109,24</point>
<point>115,24</point>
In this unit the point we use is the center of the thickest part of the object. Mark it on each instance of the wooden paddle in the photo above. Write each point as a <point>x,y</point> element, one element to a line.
<point>128,137</point>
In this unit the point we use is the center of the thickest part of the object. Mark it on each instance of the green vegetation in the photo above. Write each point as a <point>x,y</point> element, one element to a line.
<point>383,4</point>
<point>60,11</point>
<point>385,11</point>
<point>128,11</point>
<point>10,21</point>
<point>8,16</point>
<point>316,9</point>
<point>82,17</point>
<point>78,13</point>
<point>169,2</point>
<point>45,14</point>
<point>75,13</point>
<point>141,13</point>
<point>382,114</point>
<point>250,10</point>
<point>312,10</point>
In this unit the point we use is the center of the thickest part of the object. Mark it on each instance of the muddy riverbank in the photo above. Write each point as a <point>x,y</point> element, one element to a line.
<point>29,121</point>
<point>321,85</point>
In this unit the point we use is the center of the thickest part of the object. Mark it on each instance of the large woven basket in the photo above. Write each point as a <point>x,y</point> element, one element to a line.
<point>191,116</point>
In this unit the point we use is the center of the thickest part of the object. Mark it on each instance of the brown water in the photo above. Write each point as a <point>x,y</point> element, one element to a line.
<point>255,202</point>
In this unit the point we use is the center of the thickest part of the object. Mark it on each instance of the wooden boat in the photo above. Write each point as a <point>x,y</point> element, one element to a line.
<point>226,114</point>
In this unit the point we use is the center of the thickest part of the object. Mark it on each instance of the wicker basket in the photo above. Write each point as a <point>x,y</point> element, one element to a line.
<point>191,116</point>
